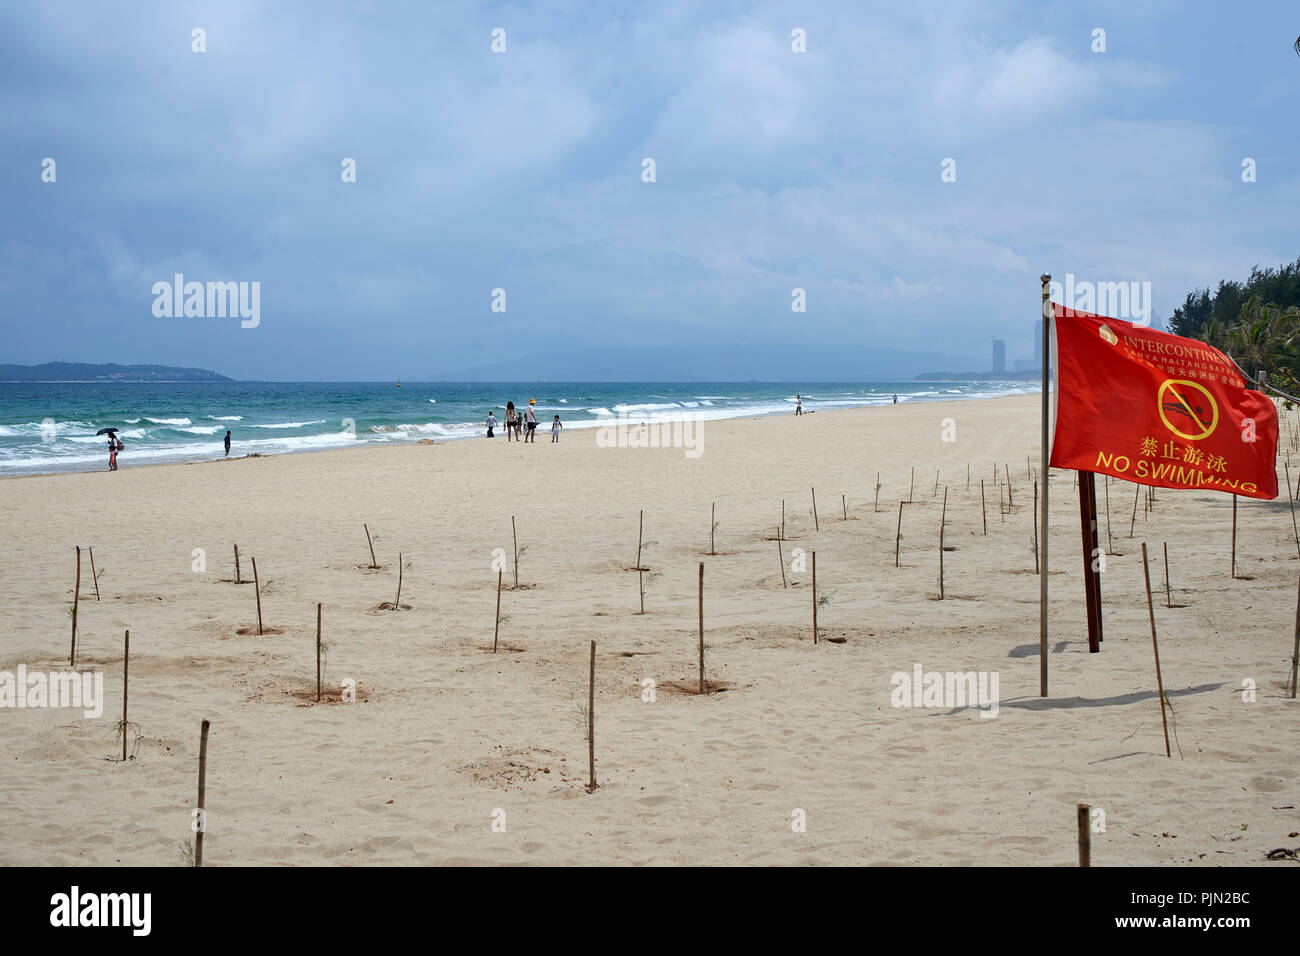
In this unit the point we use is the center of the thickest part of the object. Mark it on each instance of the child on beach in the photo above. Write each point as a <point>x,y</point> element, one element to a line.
<point>555,429</point>
<point>491,423</point>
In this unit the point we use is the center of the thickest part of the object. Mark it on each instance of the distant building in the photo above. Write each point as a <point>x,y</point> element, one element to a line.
<point>999,355</point>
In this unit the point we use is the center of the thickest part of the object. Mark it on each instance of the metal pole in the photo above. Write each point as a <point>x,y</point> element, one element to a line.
<point>1042,534</point>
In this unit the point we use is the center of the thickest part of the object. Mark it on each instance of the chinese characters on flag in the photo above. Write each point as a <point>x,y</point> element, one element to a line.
<point>1158,409</point>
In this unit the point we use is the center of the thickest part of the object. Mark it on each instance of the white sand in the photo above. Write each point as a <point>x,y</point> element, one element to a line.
<point>448,732</point>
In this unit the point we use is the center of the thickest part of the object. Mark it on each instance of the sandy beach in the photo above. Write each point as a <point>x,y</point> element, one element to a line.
<point>444,733</point>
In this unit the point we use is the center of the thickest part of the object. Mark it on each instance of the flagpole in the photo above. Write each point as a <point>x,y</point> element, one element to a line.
<point>1042,535</point>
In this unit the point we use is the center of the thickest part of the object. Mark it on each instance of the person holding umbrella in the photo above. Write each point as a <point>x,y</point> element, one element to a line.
<point>114,446</point>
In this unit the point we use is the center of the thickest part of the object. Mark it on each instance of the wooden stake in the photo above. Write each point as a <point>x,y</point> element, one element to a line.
<point>816,524</point>
<point>397,604</point>
<point>514,534</point>
<point>1010,503</point>
<point>1169,595</point>
<point>968,476</point>
<point>911,484</point>
<point>898,535</point>
<point>814,595</point>
<point>781,557</point>
<point>1085,835</point>
<point>640,530</point>
<point>713,510</point>
<point>1160,687</point>
<point>203,793</point>
<point>238,578</point>
<point>1234,536</point>
<point>844,504</point>
<point>95,577</point>
<point>875,505</point>
<point>1029,472</point>
<point>257,588</point>
<point>1035,527</point>
<point>781,536</point>
<point>318,615</point>
<point>1137,490</point>
<point>496,627</point>
<point>76,599</point>
<point>701,627</point>
<point>640,586</point>
<point>591,719</point>
<point>126,669</point>
<point>935,492</point>
<point>371,543</point>
<point>984,515</point>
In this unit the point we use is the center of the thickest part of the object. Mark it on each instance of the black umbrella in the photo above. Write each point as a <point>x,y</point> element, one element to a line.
<point>106,431</point>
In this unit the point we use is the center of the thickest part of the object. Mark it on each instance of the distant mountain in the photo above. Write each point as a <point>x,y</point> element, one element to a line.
<point>91,372</point>
<point>730,362</point>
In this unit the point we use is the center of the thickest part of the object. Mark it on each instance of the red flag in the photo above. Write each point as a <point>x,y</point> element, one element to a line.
<point>1158,409</point>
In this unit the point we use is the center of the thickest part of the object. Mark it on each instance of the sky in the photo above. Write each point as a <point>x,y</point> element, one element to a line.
<point>524,170</point>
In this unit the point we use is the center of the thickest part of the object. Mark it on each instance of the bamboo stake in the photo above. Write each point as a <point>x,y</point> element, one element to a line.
<point>1294,529</point>
<point>942,518</point>
<point>95,577</point>
<point>203,787</point>
<point>781,557</point>
<point>515,534</point>
<point>701,627</point>
<point>1036,571</point>
<point>126,669</point>
<point>318,652</point>
<point>816,524</point>
<point>76,599</point>
<point>984,515</point>
<point>257,588</point>
<point>496,627</point>
<point>1137,490</point>
<point>1085,835</point>
<point>1234,536</point>
<point>373,562</point>
<point>1295,652</point>
<point>1169,594</point>
<point>238,577</point>
<point>898,535</point>
<point>591,719</point>
<point>1160,687</point>
<point>814,595</point>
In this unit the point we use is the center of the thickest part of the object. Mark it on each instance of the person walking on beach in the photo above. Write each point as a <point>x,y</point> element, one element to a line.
<point>895,399</point>
<point>491,424</point>
<point>798,404</point>
<point>530,421</point>
<point>510,421</point>
<point>227,443</point>
<point>113,447</point>
<point>555,429</point>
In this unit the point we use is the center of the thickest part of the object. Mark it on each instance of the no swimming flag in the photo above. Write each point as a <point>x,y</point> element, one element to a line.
<point>1158,409</point>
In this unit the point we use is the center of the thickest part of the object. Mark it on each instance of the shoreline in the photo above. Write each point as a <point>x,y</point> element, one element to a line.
<point>581,427</point>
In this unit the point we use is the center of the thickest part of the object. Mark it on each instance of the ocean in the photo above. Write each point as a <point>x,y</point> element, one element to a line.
<point>50,427</point>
